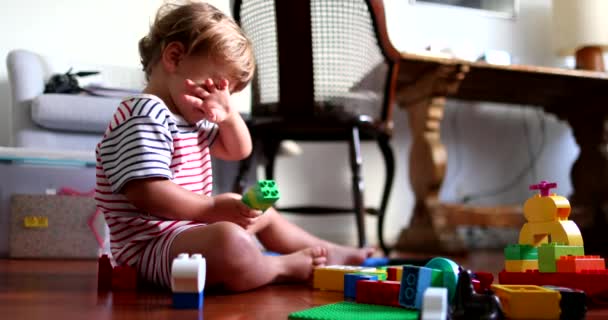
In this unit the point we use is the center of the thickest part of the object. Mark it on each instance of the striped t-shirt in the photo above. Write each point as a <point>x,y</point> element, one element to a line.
<point>145,139</point>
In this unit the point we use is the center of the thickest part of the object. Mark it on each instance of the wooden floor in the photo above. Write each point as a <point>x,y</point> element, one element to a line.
<point>52,290</point>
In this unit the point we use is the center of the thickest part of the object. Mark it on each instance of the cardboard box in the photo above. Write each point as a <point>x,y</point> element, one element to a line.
<point>54,226</point>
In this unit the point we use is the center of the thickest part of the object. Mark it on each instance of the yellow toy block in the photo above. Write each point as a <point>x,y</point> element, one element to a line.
<point>35,222</point>
<point>528,302</point>
<point>545,209</point>
<point>331,278</point>
<point>565,232</point>
<point>520,265</point>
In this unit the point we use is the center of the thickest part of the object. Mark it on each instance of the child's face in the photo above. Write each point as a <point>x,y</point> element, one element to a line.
<point>198,69</point>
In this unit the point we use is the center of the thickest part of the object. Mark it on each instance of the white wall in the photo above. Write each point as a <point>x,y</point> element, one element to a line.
<point>107,32</point>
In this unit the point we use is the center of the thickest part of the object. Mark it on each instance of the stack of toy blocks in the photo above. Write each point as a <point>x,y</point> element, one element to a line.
<point>550,252</point>
<point>188,274</point>
<point>261,196</point>
<point>402,286</point>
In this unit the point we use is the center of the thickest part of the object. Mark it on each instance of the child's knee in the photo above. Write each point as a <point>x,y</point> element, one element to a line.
<point>236,244</point>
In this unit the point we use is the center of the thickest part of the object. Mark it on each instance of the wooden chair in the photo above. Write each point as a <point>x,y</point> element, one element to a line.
<point>326,71</point>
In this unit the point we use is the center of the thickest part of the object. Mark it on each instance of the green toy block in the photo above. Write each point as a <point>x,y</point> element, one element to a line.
<point>261,196</point>
<point>548,253</point>
<point>355,311</point>
<point>521,252</point>
<point>381,275</point>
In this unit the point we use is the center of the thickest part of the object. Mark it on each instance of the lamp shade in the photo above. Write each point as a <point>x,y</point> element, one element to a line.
<point>580,23</point>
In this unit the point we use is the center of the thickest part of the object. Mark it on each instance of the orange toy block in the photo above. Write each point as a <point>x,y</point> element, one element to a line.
<point>579,263</point>
<point>528,301</point>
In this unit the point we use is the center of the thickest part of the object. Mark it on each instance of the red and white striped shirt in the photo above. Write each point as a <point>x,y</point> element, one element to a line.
<point>145,139</point>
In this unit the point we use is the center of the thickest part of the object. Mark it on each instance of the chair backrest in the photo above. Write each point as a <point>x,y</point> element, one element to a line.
<point>314,56</point>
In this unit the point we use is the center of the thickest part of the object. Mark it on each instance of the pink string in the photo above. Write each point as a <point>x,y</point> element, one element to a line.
<point>65,191</point>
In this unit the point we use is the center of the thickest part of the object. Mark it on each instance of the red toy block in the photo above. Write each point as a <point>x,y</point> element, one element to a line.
<point>592,282</point>
<point>483,281</point>
<point>124,278</point>
<point>579,263</point>
<point>378,292</point>
<point>104,273</point>
<point>391,273</point>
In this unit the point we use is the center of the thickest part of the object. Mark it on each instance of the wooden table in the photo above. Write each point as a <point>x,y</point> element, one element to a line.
<point>575,96</point>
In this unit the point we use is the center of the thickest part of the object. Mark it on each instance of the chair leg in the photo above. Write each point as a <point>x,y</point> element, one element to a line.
<point>389,161</point>
<point>271,147</point>
<point>355,163</point>
<point>243,178</point>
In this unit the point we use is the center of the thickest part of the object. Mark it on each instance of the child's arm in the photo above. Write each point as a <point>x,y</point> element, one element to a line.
<point>233,141</point>
<point>163,198</point>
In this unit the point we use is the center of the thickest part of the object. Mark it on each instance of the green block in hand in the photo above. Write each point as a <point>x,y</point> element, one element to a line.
<point>262,196</point>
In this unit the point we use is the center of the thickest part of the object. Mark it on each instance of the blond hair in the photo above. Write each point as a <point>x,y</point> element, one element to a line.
<point>201,29</point>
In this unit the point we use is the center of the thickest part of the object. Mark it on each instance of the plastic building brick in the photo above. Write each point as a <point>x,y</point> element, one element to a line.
<point>394,273</point>
<point>124,278</point>
<point>331,278</point>
<point>470,305</point>
<point>549,253</point>
<point>262,196</point>
<point>434,304</point>
<point>579,263</point>
<point>350,283</point>
<point>104,274</point>
<point>547,217</point>
<point>188,300</point>
<point>378,292</point>
<point>414,282</point>
<point>521,265</point>
<point>188,273</point>
<point>593,283</point>
<point>521,252</point>
<point>354,311</point>
<point>484,280</point>
<point>528,301</point>
<point>384,261</point>
<point>572,303</point>
<point>450,273</point>
<point>565,232</point>
<point>546,207</point>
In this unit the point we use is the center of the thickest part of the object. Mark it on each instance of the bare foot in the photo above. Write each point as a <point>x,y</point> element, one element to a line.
<point>343,255</point>
<point>300,264</point>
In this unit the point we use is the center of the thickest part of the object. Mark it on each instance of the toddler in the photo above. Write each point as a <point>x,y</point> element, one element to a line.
<point>154,175</point>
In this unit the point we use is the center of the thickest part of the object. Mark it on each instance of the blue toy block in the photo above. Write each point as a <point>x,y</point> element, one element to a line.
<point>350,283</point>
<point>414,281</point>
<point>188,300</point>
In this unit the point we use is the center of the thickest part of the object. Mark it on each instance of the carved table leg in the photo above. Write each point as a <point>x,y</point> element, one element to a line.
<point>427,167</point>
<point>590,178</point>
<point>424,101</point>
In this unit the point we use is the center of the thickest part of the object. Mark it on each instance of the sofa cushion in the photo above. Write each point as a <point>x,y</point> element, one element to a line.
<point>70,112</point>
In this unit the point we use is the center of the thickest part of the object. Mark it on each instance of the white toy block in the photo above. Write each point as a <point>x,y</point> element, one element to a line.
<point>434,304</point>
<point>188,273</point>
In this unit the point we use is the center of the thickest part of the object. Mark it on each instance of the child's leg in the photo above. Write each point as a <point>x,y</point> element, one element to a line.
<point>236,263</point>
<point>278,234</point>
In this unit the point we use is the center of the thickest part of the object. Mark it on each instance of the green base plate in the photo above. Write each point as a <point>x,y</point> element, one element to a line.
<point>355,311</point>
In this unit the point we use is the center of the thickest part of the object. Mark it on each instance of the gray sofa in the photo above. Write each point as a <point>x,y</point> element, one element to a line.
<point>61,121</point>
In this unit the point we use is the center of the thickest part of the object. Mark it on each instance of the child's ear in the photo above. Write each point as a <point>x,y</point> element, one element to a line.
<point>172,55</point>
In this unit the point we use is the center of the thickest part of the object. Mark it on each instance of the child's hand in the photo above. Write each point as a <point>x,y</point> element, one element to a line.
<point>229,207</point>
<point>211,98</point>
